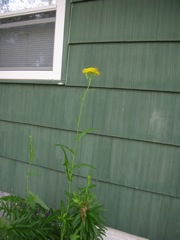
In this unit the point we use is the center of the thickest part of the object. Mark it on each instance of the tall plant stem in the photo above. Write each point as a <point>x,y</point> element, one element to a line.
<point>31,155</point>
<point>76,141</point>
<point>79,119</point>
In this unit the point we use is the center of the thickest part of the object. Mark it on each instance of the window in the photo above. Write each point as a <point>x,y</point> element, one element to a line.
<point>31,39</point>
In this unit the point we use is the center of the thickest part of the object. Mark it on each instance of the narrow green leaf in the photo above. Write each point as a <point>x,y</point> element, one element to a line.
<point>83,165</point>
<point>66,163</point>
<point>38,200</point>
<point>65,147</point>
<point>31,200</point>
<point>80,135</point>
<point>31,152</point>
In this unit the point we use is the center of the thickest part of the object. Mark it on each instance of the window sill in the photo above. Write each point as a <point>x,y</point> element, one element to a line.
<point>29,81</point>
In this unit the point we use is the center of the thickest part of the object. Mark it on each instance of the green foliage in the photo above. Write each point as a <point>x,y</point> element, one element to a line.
<point>82,218</point>
<point>31,218</point>
<point>32,199</point>
<point>68,165</point>
<point>80,135</point>
<point>86,211</point>
<point>20,221</point>
<point>28,218</point>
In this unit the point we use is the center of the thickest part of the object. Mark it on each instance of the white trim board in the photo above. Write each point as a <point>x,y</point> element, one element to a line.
<point>113,234</point>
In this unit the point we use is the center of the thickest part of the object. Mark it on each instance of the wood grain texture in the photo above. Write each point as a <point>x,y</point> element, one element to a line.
<point>115,20</point>
<point>125,20</point>
<point>143,66</point>
<point>134,211</point>
<point>134,164</point>
<point>134,103</point>
<point>140,213</point>
<point>141,115</point>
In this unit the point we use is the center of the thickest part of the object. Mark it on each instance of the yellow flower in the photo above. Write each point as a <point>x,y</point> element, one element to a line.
<point>91,70</point>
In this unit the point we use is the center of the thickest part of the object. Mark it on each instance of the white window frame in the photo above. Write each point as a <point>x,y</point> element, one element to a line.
<point>55,74</point>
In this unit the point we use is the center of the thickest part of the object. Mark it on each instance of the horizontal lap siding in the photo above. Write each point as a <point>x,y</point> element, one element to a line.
<point>136,46</point>
<point>134,103</point>
<point>114,21</point>
<point>41,181</point>
<point>133,164</point>
<point>140,115</point>
<point>143,66</point>
<point>141,213</point>
<point>123,205</point>
<point>125,20</point>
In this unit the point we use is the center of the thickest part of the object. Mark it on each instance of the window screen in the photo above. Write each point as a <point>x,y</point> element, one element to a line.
<point>27,42</point>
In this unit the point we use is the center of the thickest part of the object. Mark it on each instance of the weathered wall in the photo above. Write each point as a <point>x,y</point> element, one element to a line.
<point>134,104</point>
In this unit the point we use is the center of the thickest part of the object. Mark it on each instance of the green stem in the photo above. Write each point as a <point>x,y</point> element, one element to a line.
<point>79,120</point>
<point>30,163</point>
<point>77,133</point>
<point>27,180</point>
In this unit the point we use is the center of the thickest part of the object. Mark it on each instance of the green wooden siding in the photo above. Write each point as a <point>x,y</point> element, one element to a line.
<point>135,104</point>
<point>143,66</point>
<point>141,115</point>
<point>152,163</point>
<point>125,20</point>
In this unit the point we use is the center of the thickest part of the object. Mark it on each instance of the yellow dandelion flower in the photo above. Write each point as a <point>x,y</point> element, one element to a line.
<point>91,70</point>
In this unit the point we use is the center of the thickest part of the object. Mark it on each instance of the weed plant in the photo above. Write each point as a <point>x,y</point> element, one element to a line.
<point>80,217</point>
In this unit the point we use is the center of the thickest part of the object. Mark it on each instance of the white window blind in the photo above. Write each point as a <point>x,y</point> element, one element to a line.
<point>27,45</point>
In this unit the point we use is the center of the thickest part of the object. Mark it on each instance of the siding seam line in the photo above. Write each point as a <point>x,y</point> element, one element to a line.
<point>100,135</point>
<point>176,91</point>
<point>96,180</point>
<point>125,41</point>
